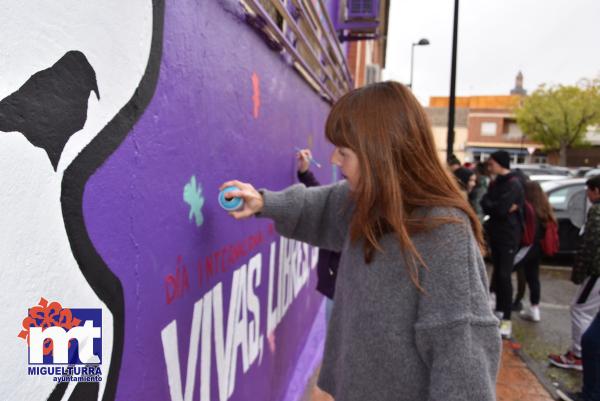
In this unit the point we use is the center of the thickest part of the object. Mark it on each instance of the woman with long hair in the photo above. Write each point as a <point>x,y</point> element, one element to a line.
<point>411,319</point>
<point>530,264</point>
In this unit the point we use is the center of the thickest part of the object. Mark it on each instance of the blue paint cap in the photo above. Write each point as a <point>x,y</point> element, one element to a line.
<point>232,204</point>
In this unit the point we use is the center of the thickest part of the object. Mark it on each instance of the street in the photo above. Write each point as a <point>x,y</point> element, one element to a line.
<point>553,333</point>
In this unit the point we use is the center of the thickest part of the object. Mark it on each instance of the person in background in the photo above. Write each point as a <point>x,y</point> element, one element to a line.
<point>503,202</point>
<point>530,263</point>
<point>466,180</point>
<point>328,260</point>
<point>517,305</point>
<point>410,319</point>
<point>590,351</point>
<point>454,163</point>
<point>481,187</point>
<point>586,273</point>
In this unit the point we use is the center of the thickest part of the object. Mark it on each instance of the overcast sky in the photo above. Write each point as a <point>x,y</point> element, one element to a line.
<point>550,41</point>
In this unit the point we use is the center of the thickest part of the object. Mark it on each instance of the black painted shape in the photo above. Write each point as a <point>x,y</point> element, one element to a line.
<point>101,279</point>
<point>52,104</point>
<point>58,392</point>
<point>85,391</point>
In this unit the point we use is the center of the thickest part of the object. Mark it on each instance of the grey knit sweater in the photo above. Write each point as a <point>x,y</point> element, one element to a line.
<point>387,341</point>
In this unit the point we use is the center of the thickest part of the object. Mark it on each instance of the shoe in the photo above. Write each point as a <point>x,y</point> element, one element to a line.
<point>532,314</point>
<point>566,361</point>
<point>506,328</point>
<point>517,306</point>
<point>569,396</point>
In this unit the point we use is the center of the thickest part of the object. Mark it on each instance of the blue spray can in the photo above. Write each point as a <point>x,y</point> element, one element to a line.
<point>230,204</point>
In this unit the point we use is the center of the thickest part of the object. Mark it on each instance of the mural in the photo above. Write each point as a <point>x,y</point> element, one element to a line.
<point>118,123</point>
<point>59,94</point>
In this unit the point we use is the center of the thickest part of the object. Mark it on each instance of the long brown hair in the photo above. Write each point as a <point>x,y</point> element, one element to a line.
<point>539,201</point>
<point>400,171</point>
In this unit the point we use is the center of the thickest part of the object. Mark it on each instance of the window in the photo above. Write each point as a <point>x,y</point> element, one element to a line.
<point>489,128</point>
<point>513,131</point>
<point>559,199</point>
<point>480,157</point>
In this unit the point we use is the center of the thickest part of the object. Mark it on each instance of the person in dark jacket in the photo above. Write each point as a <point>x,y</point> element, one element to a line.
<point>517,305</point>
<point>328,260</point>
<point>585,273</point>
<point>504,204</point>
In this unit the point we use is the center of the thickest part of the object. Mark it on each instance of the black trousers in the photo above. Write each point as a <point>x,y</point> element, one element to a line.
<point>503,257</point>
<point>529,269</point>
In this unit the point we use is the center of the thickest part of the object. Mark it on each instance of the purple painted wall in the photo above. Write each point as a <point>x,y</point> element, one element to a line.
<point>210,119</point>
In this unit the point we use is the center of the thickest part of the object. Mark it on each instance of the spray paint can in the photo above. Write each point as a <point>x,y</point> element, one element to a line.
<point>230,204</point>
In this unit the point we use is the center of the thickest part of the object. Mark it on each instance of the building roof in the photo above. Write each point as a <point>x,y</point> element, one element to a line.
<point>478,102</point>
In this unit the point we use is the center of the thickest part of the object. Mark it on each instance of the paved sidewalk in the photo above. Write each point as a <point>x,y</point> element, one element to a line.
<point>515,382</point>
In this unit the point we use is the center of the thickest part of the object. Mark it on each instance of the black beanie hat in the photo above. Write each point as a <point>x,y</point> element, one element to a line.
<point>502,158</point>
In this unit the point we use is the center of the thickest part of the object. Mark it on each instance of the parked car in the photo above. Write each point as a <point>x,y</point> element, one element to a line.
<point>542,170</point>
<point>580,171</point>
<point>592,172</point>
<point>545,177</point>
<point>569,201</point>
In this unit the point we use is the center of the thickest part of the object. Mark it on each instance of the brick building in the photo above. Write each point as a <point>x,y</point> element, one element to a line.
<point>485,124</point>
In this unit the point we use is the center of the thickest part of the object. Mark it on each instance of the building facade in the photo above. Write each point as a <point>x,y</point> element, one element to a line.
<point>485,124</point>
<point>489,125</point>
<point>438,116</point>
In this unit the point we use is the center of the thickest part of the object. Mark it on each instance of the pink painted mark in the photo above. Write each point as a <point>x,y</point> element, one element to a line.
<point>271,340</point>
<point>255,94</point>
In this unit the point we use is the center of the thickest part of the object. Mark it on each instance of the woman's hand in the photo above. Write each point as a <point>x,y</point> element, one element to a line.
<point>253,201</point>
<point>303,157</point>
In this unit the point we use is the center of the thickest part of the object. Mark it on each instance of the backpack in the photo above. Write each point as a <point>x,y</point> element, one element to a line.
<point>528,224</point>
<point>550,242</point>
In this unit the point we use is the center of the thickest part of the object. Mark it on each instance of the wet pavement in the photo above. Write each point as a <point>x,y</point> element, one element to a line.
<point>525,374</point>
<point>553,333</point>
<point>516,381</point>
